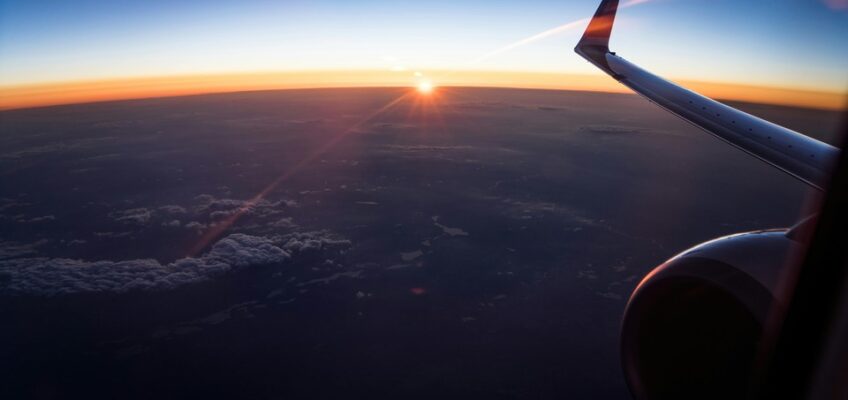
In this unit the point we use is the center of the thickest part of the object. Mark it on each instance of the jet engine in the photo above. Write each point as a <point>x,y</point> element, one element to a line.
<point>693,326</point>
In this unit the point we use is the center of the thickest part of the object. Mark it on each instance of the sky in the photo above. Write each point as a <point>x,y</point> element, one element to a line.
<point>96,44</point>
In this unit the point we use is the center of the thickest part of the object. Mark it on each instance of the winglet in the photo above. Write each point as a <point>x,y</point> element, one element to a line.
<point>594,45</point>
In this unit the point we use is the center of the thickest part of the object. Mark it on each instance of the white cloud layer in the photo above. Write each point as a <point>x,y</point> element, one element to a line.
<point>307,241</point>
<point>54,276</point>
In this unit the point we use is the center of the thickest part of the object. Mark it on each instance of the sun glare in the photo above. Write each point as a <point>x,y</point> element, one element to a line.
<point>425,87</point>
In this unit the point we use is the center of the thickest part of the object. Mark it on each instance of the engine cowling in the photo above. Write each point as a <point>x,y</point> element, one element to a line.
<point>693,325</point>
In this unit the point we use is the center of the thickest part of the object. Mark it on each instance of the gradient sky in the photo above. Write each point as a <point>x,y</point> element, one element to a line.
<point>783,43</point>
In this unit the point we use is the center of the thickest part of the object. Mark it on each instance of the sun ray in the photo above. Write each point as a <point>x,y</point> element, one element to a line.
<point>215,232</point>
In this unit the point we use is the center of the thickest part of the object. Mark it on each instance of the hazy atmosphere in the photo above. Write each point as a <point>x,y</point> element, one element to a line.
<point>54,52</point>
<point>478,245</point>
<point>390,199</point>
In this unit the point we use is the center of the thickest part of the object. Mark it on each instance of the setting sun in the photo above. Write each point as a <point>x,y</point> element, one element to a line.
<point>425,87</point>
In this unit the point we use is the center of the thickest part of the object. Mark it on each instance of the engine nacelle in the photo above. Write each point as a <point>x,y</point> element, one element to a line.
<point>693,326</point>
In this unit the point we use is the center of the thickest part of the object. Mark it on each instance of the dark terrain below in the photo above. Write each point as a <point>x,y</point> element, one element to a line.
<point>476,243</point>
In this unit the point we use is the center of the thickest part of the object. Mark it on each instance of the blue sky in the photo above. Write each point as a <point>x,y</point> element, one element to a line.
<point>788,43</point>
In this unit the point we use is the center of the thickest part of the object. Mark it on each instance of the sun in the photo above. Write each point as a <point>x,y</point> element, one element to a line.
<point>425,87</point>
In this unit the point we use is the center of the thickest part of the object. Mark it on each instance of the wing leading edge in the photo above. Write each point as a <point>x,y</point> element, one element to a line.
<point>796,154</point>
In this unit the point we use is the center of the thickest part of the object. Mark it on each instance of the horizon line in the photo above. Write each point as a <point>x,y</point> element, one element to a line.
<point>37,95</point>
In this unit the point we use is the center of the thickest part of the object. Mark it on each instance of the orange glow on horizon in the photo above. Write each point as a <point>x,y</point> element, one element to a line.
<point>425,87</point>
<point>37,95</point>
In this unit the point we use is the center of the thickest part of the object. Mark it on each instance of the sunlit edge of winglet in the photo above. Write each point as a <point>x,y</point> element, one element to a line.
<point>594,44</point>
<point>801,156</point>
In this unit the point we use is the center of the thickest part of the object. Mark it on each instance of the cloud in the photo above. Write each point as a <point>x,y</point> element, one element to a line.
<point>173,209</point>
<point>112,234</point>
<point>349,274</point>
<point>610,295</point>
<point>207,209</point>
<point>222,214</point>
<point>21,218</point>
<point>448,230</point>
<point>195,225</point>
<point>43,218</point>
<point>7,203</point>
<point>306,241</point>
<point>283,223</point>
<point>527,209</point>
<point>222,208</point>
<point>15,249</point>
<point>55,276</point>
<point>136,216</point>
<point>240,250</point>
<point>39,150</point>
<point>411,255</point>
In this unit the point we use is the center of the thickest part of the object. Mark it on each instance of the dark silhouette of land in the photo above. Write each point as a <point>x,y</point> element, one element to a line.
<point>476,243</point>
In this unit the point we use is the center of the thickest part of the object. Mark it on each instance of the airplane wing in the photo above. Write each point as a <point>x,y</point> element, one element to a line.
<point>798,155</point>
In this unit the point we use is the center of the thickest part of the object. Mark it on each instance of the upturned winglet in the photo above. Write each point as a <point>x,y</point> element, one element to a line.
<point>594,45</point>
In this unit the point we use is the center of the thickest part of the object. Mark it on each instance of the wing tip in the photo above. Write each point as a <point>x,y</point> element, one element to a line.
<point>594,45</point>
<point>600,27</point>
